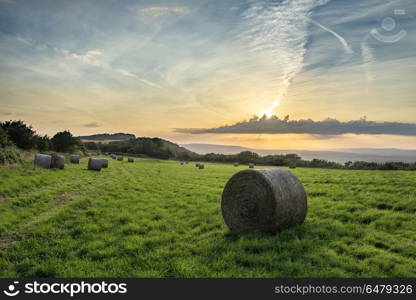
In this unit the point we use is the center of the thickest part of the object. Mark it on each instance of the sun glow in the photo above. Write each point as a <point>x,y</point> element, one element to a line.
<point>269,112</point>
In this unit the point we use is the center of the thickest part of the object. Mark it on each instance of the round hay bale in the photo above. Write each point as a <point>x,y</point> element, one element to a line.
<point>43,161</point>
<point>236,164</point>
<point>187,162</point>
<point>74,159</point>
<point>263,201</point>
<point>197,165</point>
<point>104,162</point>
<point>113,156</point>
<point>251,165</point>
<point>201,166</point>
<point>130,159</point>
<point>94,164</point>
<point>182,163</point>
<point>57,162</point>
<point>120,158</point>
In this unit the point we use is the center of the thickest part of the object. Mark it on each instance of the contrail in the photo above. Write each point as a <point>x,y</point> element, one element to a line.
<point>129,74</point>
<point>344,43</point>
<point>278,31</point>
<point>368,59</point>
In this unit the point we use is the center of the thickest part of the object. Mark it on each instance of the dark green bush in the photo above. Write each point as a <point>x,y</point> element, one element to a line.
<point>65,142</point>
<point>9,155</point>
<point>22,135</point>
<point>4,139</point>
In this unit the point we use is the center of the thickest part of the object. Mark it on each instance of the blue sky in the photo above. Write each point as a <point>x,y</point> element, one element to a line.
<point>147,67</point>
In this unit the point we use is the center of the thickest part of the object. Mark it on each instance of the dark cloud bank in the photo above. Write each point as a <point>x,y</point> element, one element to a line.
<point>325,127</point>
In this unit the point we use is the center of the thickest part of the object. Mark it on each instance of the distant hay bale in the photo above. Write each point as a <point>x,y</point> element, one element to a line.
<point>292,166</point>
<point>74,159</point>
<point>130,159</point>
<point>57,161</point>
<point>104,162</point>
<point>94,164</point>
<point>236,164</point>
<point>113,156</point>
<point>120,158</point>
<point>201,166</point>
<point>187,162</point>
<point>43,161</point>
<point>197,165</point>
<point>263,201</point>
<point>251,165</point>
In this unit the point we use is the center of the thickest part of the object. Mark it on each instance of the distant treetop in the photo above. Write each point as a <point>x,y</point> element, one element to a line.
<point>108,136</point>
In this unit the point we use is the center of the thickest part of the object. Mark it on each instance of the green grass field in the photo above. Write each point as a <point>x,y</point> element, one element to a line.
<point>160,219</point>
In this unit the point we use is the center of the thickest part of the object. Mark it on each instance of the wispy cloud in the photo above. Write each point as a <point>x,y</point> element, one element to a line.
<point>89,54</point>
<point>90,57</point>
<point>40,45</point>
<point>92,125</point>
<point>131,75</point>
<point>343,42</point>
<point>93,57</point>
<point>368,59</point>
<point>279,31</point>
<point>162,11</point>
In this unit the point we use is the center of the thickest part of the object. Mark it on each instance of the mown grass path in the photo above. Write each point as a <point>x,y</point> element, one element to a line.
<point>161,219</point>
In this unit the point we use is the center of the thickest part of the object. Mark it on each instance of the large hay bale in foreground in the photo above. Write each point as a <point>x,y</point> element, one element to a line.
<point>130,159</point>
<point>43,161</point>
<point>57,162</point>
<point>120,158</point>
<point>251,165</point>
<point>201,166</point>
<point>74,159</point>
<point>263,201</point>
<point>95,164</point>
<point>104,162</point>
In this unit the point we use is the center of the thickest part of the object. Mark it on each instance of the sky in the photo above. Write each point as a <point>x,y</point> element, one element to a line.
<point>155,67</point>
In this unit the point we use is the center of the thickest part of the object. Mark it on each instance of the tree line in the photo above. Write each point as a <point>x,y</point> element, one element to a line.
<point>17,134</point>
<point>293,161</point>
<point>159,148</point>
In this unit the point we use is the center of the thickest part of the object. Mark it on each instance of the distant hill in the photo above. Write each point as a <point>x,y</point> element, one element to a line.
<point>220,149</point>
<point>150,147</point>
<point>108,137</point>
<point>359,154</point>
